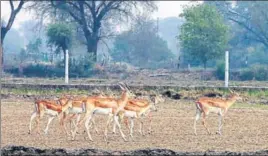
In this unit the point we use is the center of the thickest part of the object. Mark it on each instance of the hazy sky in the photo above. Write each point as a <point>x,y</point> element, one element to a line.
<point>165,9</point>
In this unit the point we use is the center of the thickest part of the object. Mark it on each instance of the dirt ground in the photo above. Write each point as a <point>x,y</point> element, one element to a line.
<point>245,129</point>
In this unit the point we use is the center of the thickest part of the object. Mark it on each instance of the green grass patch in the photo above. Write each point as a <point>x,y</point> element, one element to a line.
<point>257,93</point>
<point>247,105</point>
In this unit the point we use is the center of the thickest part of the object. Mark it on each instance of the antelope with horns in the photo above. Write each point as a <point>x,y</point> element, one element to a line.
<point>50,108</point>
<point>78,108</point>
<point>140,108</point>
<point>205,105</point>
<point>111,106</point>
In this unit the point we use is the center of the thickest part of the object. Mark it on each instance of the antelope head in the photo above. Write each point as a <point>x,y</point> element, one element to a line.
<point>155,100</point>
<point>129,92</point>
<point>235,95</point>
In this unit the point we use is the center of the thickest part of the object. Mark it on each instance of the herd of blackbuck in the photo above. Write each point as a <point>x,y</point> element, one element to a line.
<point>127,106</point>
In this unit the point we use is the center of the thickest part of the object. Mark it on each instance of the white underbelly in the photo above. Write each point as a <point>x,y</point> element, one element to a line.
<point>130,114</point>
<point>51,112</point>
<point>76,110</point>
<point>103,111</point>
<point>214,109</point>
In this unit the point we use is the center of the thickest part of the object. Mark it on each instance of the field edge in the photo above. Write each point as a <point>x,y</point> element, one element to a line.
<point>22,150</point>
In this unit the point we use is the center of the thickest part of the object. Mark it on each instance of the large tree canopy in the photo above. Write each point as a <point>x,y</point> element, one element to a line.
<point>204,36</point>
<point>93,18</point>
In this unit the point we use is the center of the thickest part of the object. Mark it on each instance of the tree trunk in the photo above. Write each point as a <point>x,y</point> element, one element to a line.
<point>92,46</point>
<point>92,41</point>
<point>204,71</point>
<point>64,55</point>
<point>51,58</point>
<point>20,69</point>
<point>3,34</point>
<point>1,59</point>
<point>205,65</point>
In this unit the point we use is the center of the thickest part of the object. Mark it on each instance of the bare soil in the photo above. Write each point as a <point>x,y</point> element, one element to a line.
<point>142,77</point>
<point>245,129</point>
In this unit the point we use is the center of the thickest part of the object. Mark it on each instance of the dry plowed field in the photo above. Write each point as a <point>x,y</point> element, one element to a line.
<point>245,129</point>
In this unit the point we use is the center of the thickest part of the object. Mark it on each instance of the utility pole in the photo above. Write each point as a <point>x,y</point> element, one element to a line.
<point>226,69</point>
<point>67,66</point>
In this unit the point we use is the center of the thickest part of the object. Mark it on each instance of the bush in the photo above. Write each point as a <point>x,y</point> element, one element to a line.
<point>246,74</point>
<point>255,72</point>
<point>81,67</point>
<point>260,72</point>
<point>220,71</point>
<point>38,70</point>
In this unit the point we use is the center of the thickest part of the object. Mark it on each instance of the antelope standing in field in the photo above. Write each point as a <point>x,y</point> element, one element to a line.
<point>78,108</point>
<point>111,106</point>
<point>205,105</point>
<point>61,101</point>
<point>75,111</point>
<point>50,108</point>
<point>77,114</point>
<point>139,108</point>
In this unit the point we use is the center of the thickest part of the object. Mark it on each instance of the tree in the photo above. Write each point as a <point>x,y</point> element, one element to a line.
<point>94,18</point>
<point>11,48</point>
<point>249,30</point>
<point>34,37</point>
<point>141,46</point>
<point>6,28</point>
<point>22,58</point>
<point>60,35</point>
<point>203,36</point>
<point>33,48</point>
<point>251,16</point>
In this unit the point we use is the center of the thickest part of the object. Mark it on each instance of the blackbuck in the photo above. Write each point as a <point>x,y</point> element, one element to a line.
<point>138,109</point>
<point>78,108</point>
<point>50,108</point>
<point>205,105</point>
<point>103,105</point>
